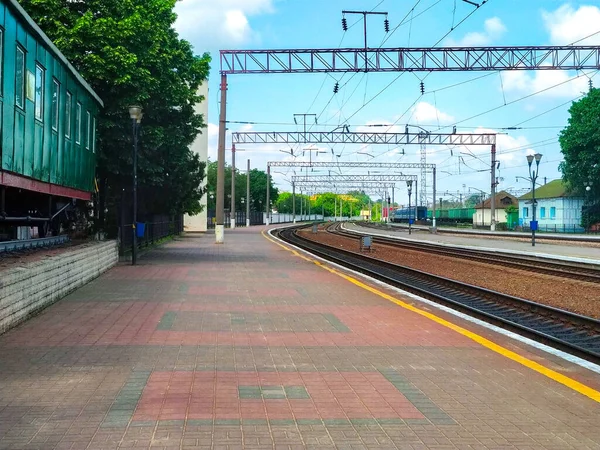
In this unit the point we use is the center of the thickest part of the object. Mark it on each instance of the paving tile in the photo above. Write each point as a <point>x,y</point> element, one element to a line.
<point>246,345</point>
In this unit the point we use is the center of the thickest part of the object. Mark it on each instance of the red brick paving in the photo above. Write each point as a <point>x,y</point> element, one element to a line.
<point>96,370</point>
<point>135,323</point>
<point>334,395</point>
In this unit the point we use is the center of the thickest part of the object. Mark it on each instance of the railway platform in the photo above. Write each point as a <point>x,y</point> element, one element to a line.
<point>588,252</point>
<point>253,344</point>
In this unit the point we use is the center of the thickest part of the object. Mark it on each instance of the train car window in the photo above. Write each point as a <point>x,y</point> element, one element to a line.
<point>88,137</point>
<point>55,102</point>
<point>39,92</point>
<point>68,107</point>
<point>94,136</point>
<point>20,78</point>
<point>78,124</point>
<point>1,61</point>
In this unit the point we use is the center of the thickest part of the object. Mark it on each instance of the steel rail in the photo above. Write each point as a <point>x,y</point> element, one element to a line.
<point>579,335</point>
<point>578,271</point>
<point>569,237</point>
<point>12,246</point>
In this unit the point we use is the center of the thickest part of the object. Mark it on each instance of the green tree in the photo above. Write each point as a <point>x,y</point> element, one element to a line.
<point>130,53</point>
<point>580,146</point>
<point>258,188</point>
<point>473,200</point>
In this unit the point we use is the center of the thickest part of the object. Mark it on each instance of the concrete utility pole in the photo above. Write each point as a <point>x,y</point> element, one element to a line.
<point>232,212</point>
<point>294,202</point>
<point>220,225</point>
<point>268,192</point>
<point>433,212</point>
<point>493,191</point>
<point>248,195</point>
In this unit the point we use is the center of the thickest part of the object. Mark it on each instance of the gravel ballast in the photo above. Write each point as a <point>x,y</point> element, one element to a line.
<point>580,297</point>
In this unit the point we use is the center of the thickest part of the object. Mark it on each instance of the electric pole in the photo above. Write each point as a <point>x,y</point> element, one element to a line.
<point>386,24</point>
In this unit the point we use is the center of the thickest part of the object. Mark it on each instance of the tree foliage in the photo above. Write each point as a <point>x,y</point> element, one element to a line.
<point>258,188</point>
<point>580,146</point>
<point>327,203</point>
<point>130,53</point>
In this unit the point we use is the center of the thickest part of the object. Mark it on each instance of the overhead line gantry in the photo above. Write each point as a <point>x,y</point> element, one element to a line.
<point>402,59</point>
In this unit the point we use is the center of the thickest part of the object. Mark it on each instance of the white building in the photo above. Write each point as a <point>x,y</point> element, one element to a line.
<point>556,209</point>
<point>200,146</point>
<point>483,211</point>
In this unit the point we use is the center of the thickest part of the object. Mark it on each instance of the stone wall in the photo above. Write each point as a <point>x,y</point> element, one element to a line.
<point>27,289</point>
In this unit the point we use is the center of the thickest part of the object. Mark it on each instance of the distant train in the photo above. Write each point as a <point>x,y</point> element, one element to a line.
<point>464,215</point>
<point>415,212</point>
<point>419,213</point>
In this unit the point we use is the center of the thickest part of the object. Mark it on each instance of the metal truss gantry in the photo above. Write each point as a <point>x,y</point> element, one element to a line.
<point>442,59</point>
<point>425,168</point>
<point>345,182</point>
<point>338,137</point>
<point>391,178</point>
<point>351,164</point>
<point>421,138</point>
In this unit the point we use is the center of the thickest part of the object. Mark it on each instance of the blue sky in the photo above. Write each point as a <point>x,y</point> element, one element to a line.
<point>270,101</point>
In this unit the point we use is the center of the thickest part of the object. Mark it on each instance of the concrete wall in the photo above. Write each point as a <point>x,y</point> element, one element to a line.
<point>484,218</point>
<point>200,146</point>
<point>27,289</point>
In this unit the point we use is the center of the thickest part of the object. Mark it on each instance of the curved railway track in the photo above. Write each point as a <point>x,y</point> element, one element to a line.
<point>571,332</point>
<point>564,269</point>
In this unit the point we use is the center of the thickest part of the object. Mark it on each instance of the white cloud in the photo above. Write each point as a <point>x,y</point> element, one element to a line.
<point>524,83</point>
<point>567,25</point>
<point>494,29</point>
<point>426,113</point>
<point>215,25</point>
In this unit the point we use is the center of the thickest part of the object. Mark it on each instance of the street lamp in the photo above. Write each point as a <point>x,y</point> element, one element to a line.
<point>409,187</point>
<point>533,174</point>
<point>136,114</point>
<point>588,187</point>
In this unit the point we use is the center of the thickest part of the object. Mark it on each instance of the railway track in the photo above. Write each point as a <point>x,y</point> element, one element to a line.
<point>564,269</point>
<point>543,236</point>
<point>571,332</point>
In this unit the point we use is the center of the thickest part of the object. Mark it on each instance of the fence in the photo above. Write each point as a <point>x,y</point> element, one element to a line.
<point>259,218</point>
<point>256,218</point>
<point>153,232</point>
<point>561,229</point>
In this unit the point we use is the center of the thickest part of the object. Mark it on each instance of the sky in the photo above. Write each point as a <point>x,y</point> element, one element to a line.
<point>536,102</point>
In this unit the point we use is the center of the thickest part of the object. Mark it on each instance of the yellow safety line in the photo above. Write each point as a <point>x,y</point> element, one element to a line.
<point>552,374</point>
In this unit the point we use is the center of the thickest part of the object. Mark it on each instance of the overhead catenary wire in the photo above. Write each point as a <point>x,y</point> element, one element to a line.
<point>402,73</point>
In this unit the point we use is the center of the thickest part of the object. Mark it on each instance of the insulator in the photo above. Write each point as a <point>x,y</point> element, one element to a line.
<point>336,88</point>
<point>422,88</point>
<point>386,25</point>
<point>344,24</point>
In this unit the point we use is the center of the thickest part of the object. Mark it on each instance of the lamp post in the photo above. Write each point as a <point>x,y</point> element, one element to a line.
<point>533,174</point>
<point>136,114</point>
<point>248,195</point>
<point>409,187</point>
<point>243,201</point>
<point>588,187</point>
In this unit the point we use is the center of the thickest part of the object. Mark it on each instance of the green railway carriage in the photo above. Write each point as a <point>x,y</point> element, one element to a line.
<point>453,215</point>
<point>48,123</point>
